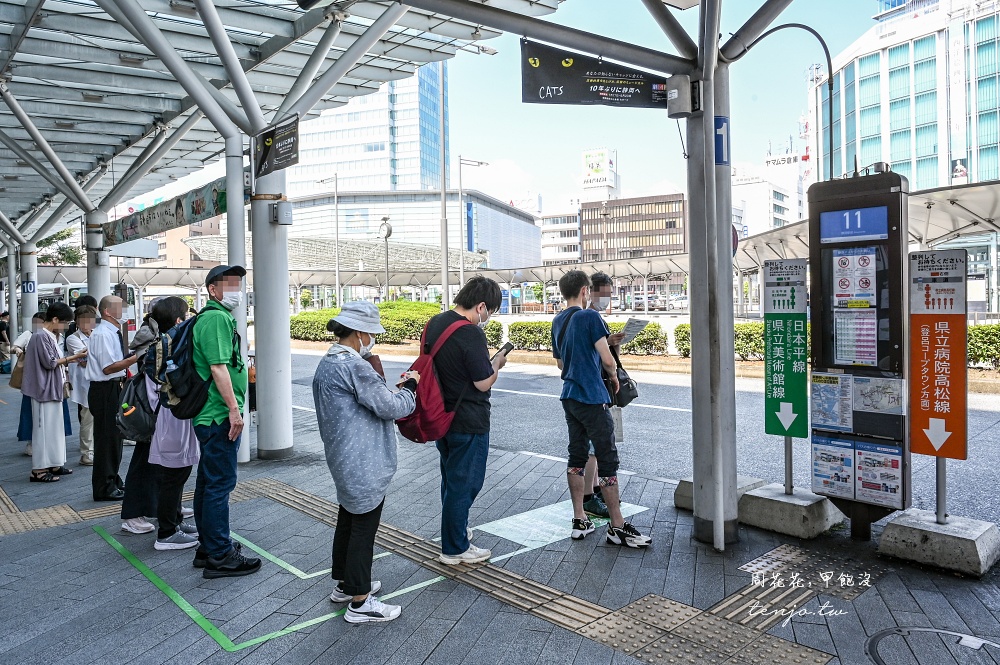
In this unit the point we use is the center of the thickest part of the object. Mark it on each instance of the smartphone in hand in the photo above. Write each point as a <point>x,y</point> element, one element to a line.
<point>504,350</point>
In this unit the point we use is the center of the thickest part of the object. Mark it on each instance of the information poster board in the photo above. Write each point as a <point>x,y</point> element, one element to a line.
<point>879,478</point>
<point>833,401</point>
<point>833,466</point>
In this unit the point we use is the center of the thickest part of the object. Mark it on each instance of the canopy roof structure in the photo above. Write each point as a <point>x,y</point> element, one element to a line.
<point>102,100</point>
<point>318,254</point>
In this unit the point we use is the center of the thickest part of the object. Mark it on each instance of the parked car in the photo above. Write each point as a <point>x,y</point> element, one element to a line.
<point>678,302</point>
<point>639,302</point>
<point>616,303</point>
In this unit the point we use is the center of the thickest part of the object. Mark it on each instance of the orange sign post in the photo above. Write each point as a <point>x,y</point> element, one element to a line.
<point>938,375</point>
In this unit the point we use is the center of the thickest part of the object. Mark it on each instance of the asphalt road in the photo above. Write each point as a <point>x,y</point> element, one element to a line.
<point>527,416</point>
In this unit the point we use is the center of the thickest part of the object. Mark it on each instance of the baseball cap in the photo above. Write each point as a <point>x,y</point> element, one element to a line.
<point>221,271</point>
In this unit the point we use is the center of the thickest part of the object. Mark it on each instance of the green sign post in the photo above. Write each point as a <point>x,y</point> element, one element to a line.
<point>786,394</point>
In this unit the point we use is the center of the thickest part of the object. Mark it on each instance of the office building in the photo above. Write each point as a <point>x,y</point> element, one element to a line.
<point>632,228</point>
<point>560,239</point>
<point>765,205</point>
<point>505,235</point>
<point>600,180</point>
<point>918,91</point>
<point>386,141</point>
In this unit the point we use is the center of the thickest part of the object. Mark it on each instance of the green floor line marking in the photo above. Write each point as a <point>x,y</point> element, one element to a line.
<point>177,599</point>
<point>279,562</point>
<point>206,624</point>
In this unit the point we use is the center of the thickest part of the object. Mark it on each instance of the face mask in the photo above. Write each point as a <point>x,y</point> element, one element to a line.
<point>367,348</point>
<point>232,300</point>
<point>602,303</point>
<point>482,322</point>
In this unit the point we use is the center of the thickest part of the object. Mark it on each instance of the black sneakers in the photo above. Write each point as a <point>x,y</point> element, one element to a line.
<point>628,536</point>
<point>201,556</point>
<point>581,528</point>
<point>234,564</point>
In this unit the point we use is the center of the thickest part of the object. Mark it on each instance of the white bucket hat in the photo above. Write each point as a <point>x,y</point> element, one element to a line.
<point>362,316</point>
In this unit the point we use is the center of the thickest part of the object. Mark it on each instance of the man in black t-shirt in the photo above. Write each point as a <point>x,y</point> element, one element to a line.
<point>466,374</point>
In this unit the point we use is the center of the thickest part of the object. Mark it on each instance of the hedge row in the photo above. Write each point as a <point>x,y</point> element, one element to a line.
<point>403,320</point>
<point>537,336</point>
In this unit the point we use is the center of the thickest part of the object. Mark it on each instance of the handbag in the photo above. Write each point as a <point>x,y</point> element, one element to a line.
<point>17,374</point>
<point>67,389</point>
<point>627,388</point>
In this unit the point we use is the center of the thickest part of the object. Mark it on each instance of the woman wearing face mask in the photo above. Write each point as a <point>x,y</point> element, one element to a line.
<point>44,380</point>
<point>356,409</point>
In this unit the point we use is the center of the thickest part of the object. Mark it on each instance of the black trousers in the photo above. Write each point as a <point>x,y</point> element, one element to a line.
<point>169,498</point>
<point>141,484</point>
<point>591,423</point>
<point>353,548</point>
<point>104,398</point>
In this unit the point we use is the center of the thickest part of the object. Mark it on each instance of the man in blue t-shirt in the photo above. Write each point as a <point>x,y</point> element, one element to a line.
<point>580,345</point>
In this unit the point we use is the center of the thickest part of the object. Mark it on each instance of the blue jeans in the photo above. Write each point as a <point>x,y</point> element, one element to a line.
<point>463,471</point>
<point>216,479</point>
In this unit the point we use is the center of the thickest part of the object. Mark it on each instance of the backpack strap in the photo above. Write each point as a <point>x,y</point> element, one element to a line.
<point>448,332</point>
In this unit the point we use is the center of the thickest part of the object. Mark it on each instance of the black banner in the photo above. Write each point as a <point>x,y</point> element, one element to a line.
<point>277,147</point>
<point>554,76</point>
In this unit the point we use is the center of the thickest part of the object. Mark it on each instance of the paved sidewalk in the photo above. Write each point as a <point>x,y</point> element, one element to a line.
<point>74,589</point>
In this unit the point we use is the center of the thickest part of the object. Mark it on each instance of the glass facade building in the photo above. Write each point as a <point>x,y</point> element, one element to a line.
<point>386,141</point>
<point>918,91</point>
<point>507,236</point>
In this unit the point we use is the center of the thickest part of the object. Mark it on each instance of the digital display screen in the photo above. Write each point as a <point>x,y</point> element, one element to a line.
<point>856,224</point>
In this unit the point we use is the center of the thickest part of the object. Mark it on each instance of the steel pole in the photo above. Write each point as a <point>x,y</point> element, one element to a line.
<point>445,290</point>
<point>387,268</point>
<point>64,207</point>
<point>788,466</point>
<point>312,66</point>
<point>236,254</point>
<point>942,490</point>
<point>270,278</point>
<point>98,258</point>
<point>29,283</point>
<point>336,235</point>
<point>12,288</point>
<point>461,228</point>
<point>725,389</point>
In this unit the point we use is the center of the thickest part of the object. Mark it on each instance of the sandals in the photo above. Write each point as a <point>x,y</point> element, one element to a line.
<point>47,477</point>
<point>60,471</point>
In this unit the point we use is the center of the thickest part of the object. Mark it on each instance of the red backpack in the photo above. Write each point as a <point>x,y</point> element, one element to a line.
<point>430,421</point>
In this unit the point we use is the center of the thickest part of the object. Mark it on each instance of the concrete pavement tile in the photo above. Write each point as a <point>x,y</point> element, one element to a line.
<point>247,624</point>
<point>561,647</point>
<point>524,648</point>
<point>872,612</point>
<point>848,634</point>
<point>679,584</point>
<point>466,633</point>
<point>939,610</point>
<point>709,585</point>
<point>459,600</point>
<point>929,649</point>
<point>907,619</point>
<point>973,613</point>
<point>592,653</point>
<point>618,590</point>
<point>647,581</point>
<point>814,635</point>
<point>896,595</point>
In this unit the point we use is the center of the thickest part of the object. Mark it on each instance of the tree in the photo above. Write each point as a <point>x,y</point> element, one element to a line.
<point>539,291</point>
<point>306,298</point>
<point>56,251</point>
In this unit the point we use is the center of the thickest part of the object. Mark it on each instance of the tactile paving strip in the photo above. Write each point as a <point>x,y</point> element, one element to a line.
<point>622,633</point>
<point>7,505</point>
<point>660,612</point>
<point>769,650</point>
<point>719,634</point>
<point>115,508</point>
<point>676,650</point>
<point>826,573</point>
<point>42,518</point>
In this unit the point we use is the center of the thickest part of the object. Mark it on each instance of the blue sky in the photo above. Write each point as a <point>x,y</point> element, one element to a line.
<point>538,148</point>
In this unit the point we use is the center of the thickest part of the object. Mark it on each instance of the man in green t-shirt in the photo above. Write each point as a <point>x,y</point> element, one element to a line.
<point>219,424</point>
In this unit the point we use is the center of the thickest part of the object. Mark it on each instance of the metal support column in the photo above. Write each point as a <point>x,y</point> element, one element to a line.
<point>98,257</point>
<point>461,225</point>
<point>445,290</point>
<point>15,322</point>
<point>56,215</point>
<point>724,373</point>
<point>237,255</point>
<point>29,283</point>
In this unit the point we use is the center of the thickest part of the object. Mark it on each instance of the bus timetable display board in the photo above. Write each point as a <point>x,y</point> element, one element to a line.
<point>858,293</point>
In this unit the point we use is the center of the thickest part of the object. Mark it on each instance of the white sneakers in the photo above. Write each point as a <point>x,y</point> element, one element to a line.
<point>372,609</point>
<point>187,513</point>
<point>338,595</point>
<point>472,555</point>
<point>137,525</point>
<point>178,541</point>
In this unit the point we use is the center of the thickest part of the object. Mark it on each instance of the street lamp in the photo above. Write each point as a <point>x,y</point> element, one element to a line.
<point>384,231</point>
<point>463,221</point>
<point>336,232</point>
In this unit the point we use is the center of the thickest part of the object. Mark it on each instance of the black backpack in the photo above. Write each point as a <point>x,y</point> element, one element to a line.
<point>136,417</point>
<point>170,363</point>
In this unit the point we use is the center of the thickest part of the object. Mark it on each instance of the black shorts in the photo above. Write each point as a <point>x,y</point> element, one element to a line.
<point>591,423</point>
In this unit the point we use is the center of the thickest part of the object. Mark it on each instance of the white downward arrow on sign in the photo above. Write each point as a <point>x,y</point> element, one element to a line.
<point>786,415</point>
<point>936,433</point>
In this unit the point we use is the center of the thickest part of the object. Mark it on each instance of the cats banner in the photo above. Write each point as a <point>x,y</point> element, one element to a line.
<point>554,76</point>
